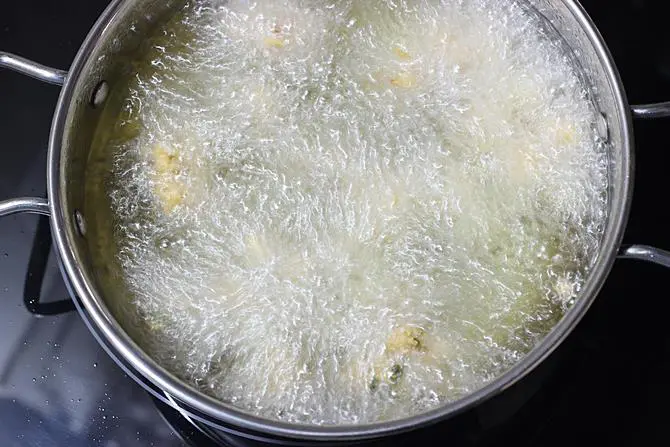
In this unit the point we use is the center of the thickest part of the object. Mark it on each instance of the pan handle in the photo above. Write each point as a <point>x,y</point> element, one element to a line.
<point>32,69</point>
<point>649,111</point>
<point>646,252</point>
<point>35,205</point>
<point>43,73</point>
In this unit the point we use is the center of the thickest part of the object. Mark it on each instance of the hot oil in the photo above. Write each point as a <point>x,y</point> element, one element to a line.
<point>346,212</point>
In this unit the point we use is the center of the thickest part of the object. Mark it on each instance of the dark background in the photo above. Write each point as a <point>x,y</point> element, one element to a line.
<point>611,381</point>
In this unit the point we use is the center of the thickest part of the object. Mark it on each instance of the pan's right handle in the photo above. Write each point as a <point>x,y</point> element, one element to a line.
<point>645,252</point>
<point>649,111</point>
<point>32,69</point>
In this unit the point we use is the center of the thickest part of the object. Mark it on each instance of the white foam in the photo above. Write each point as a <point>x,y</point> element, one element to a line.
<point>313,181</point>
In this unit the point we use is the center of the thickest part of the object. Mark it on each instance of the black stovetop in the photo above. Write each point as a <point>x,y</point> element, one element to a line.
<point>608,383</point>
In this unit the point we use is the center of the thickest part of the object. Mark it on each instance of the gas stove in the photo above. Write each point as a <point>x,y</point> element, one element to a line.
<point>608,383</point>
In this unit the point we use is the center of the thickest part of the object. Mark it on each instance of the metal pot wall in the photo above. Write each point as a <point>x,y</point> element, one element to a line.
<point>85,86</point>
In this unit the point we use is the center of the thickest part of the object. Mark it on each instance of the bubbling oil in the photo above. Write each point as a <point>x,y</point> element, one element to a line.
<point>341,212</point>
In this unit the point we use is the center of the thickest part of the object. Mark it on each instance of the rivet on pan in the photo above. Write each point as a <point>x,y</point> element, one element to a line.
<point>80,223</point>
<point>602,127</point>
<point>100,94</point>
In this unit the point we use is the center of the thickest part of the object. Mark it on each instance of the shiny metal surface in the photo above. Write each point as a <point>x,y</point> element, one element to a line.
<point>206,409</point>
<point>63,161</point>
<point>32,69</point>
<point>649,111</point>
<point>34,205</point>
<point>645,253</point>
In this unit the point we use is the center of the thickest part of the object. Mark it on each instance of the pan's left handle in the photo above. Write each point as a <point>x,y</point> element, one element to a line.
<point>41,246</point>
<point>35,205</point>
<point>32,69</point>
<point>43,73</point>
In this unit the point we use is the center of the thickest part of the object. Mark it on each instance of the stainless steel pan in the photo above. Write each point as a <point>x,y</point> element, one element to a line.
<point>85,85</point>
